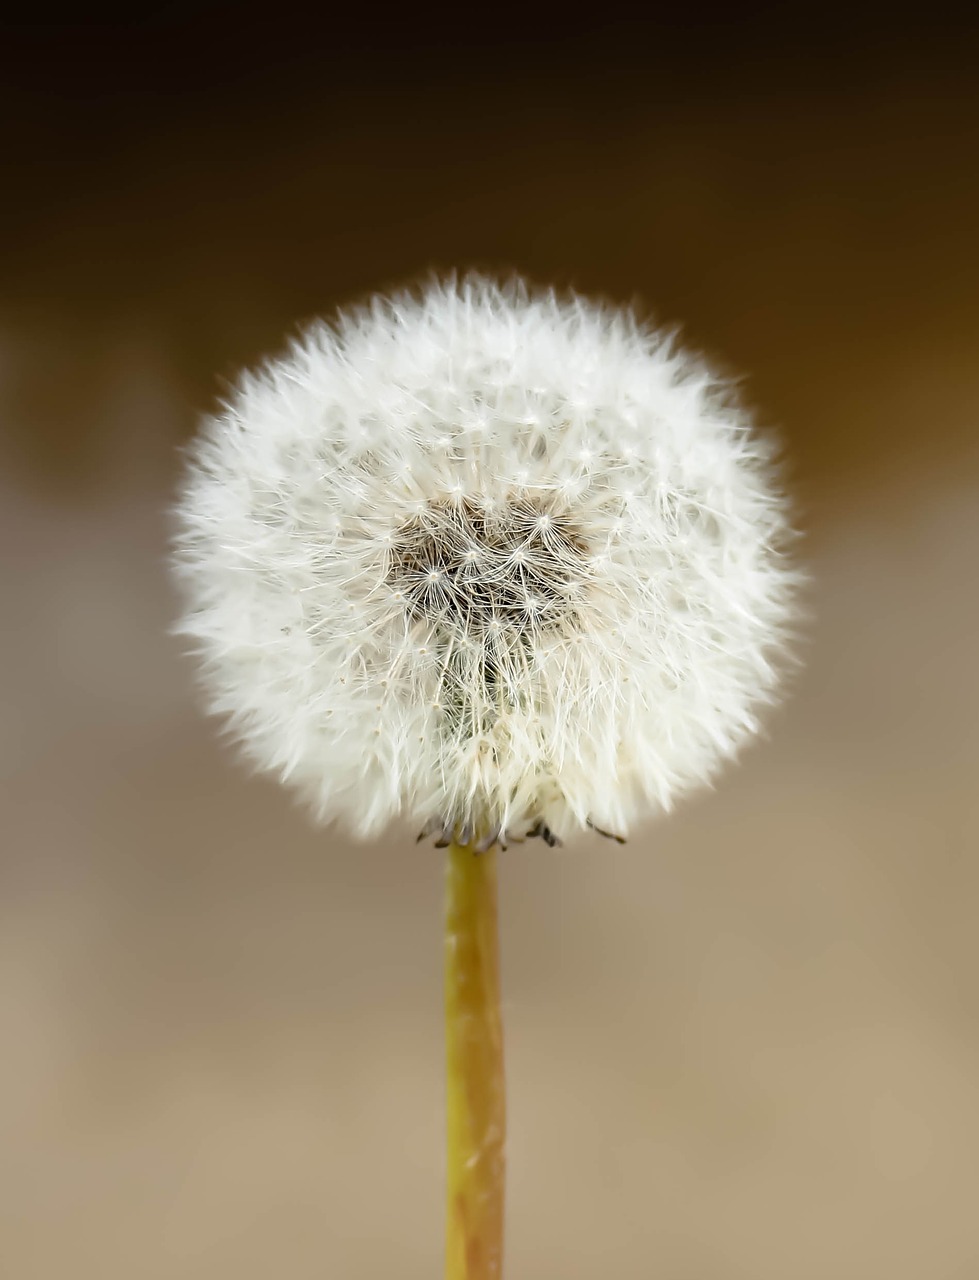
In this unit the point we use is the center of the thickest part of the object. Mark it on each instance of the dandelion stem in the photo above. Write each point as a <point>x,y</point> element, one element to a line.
<point>476,1109</point>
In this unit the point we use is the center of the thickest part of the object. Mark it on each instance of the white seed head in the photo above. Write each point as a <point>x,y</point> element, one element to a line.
<point>499,561</point>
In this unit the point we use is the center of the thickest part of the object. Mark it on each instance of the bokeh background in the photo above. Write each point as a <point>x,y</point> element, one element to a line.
<point>745,1046</point>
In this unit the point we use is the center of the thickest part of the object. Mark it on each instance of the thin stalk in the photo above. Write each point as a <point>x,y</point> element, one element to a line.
<point>475,1094</point>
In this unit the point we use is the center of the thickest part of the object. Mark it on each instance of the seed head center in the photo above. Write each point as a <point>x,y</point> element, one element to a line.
<point>473,569</point>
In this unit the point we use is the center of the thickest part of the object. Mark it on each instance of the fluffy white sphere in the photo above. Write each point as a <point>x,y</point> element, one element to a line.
<point>502,562</point>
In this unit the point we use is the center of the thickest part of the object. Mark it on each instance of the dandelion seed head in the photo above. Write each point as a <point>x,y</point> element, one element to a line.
<point>494,560</point>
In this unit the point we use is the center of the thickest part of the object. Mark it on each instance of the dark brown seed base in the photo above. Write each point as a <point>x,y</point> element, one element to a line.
<point>446,833</point>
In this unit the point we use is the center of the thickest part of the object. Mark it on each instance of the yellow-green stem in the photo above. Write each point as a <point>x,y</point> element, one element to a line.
<point>475,1094</point>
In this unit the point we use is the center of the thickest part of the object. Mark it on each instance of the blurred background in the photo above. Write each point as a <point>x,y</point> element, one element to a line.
<point>745,1046</point>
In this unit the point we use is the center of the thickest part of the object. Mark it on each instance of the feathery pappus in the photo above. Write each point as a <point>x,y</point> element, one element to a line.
<point>504,562</point>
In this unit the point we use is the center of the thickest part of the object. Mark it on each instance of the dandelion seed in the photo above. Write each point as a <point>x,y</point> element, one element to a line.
<point>540,528</point>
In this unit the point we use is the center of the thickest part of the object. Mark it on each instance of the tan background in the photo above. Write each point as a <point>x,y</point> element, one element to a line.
<point>745,1047</point>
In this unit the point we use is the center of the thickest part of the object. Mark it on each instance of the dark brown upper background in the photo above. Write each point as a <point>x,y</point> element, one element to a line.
<point>798,190</point>
<point>747,1044</point>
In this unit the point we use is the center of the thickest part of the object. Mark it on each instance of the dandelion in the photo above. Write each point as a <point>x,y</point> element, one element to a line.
<point>506,564</point>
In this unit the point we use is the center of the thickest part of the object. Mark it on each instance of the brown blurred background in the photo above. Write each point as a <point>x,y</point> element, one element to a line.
<point>746,1046</point>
